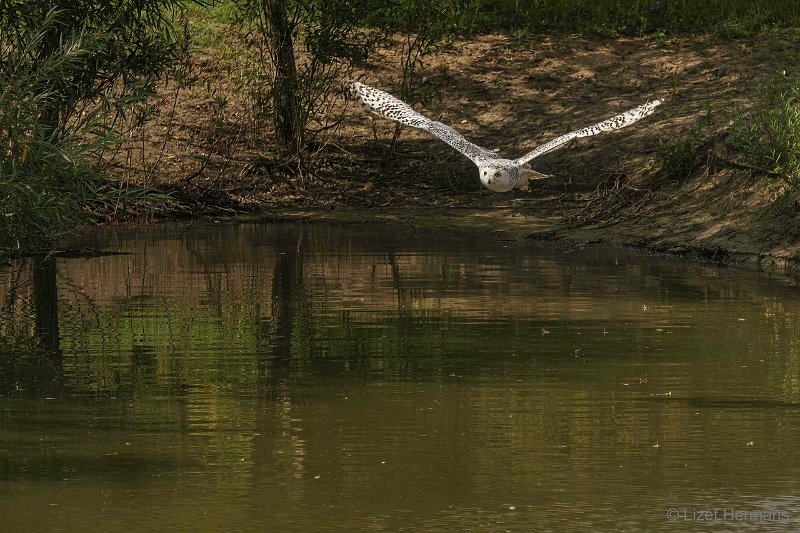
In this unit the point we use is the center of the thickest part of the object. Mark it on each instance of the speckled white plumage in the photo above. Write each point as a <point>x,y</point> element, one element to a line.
<point>496,173</point>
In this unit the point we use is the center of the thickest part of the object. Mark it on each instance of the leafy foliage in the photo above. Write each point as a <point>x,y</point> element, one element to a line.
<point>134,41</point>
<point>66,70</point>
<point>327,39</point>
<point>423,25</point>
<point>45,174</point>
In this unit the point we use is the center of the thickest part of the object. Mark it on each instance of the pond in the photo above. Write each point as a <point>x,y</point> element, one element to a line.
<point>304,377</point>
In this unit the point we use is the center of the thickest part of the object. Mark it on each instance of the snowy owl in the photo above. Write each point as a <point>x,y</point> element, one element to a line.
<point>496,173</point>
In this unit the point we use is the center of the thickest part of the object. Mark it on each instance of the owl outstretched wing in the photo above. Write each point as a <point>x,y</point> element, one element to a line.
<point>614,123</point>
<point>387,106</point>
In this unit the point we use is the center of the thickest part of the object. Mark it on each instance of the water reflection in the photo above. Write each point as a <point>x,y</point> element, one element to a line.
<point>296,376</point>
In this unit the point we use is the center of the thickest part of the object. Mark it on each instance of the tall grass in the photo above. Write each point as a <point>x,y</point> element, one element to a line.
<point>66,76</point>
<point>767,137</point>
<point>604,17</point>
<point>631,17</point>
<point>45,172</point>
<point>763,139</point>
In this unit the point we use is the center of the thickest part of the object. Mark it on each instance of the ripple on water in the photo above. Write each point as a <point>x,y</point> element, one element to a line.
<point>306,376</point>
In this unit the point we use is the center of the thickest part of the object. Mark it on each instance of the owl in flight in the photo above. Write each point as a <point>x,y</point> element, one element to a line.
<point>496,173</point>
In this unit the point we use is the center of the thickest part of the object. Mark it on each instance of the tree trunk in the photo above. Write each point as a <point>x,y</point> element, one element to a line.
<point>288,127</point>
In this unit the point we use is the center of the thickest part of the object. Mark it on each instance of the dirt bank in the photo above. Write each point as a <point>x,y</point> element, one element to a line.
<point>511,95</point>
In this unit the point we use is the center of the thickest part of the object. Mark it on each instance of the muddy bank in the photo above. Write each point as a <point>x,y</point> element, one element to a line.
<point>511,95</point>
<point>509,226</point>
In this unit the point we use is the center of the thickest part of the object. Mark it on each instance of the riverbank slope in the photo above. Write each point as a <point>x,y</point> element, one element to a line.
<point>673,182</point>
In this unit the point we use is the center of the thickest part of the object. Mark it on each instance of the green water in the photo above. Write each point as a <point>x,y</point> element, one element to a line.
<point>302,377</point>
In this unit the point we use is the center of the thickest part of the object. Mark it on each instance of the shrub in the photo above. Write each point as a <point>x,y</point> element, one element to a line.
<point>65,75</point>
<point>768,136</point>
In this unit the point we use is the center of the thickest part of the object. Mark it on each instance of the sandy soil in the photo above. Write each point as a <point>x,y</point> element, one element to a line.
<point>207,149</point>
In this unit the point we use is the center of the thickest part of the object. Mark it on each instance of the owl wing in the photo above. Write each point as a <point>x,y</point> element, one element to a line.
<point>614,123</point>
<point>387,106</point>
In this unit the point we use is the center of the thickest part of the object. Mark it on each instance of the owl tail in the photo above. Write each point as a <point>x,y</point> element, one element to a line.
<point>533,175</point>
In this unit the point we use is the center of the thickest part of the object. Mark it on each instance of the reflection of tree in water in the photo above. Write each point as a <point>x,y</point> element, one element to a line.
<point>286,333</point>
<point>406,318</point>
<point>45,303</point>
<point>31,361</point>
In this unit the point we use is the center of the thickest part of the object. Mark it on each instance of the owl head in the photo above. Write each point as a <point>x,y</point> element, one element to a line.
<point>498,179</point>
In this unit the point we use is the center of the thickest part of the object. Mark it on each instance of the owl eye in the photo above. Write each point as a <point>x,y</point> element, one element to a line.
<point>497,174</point>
